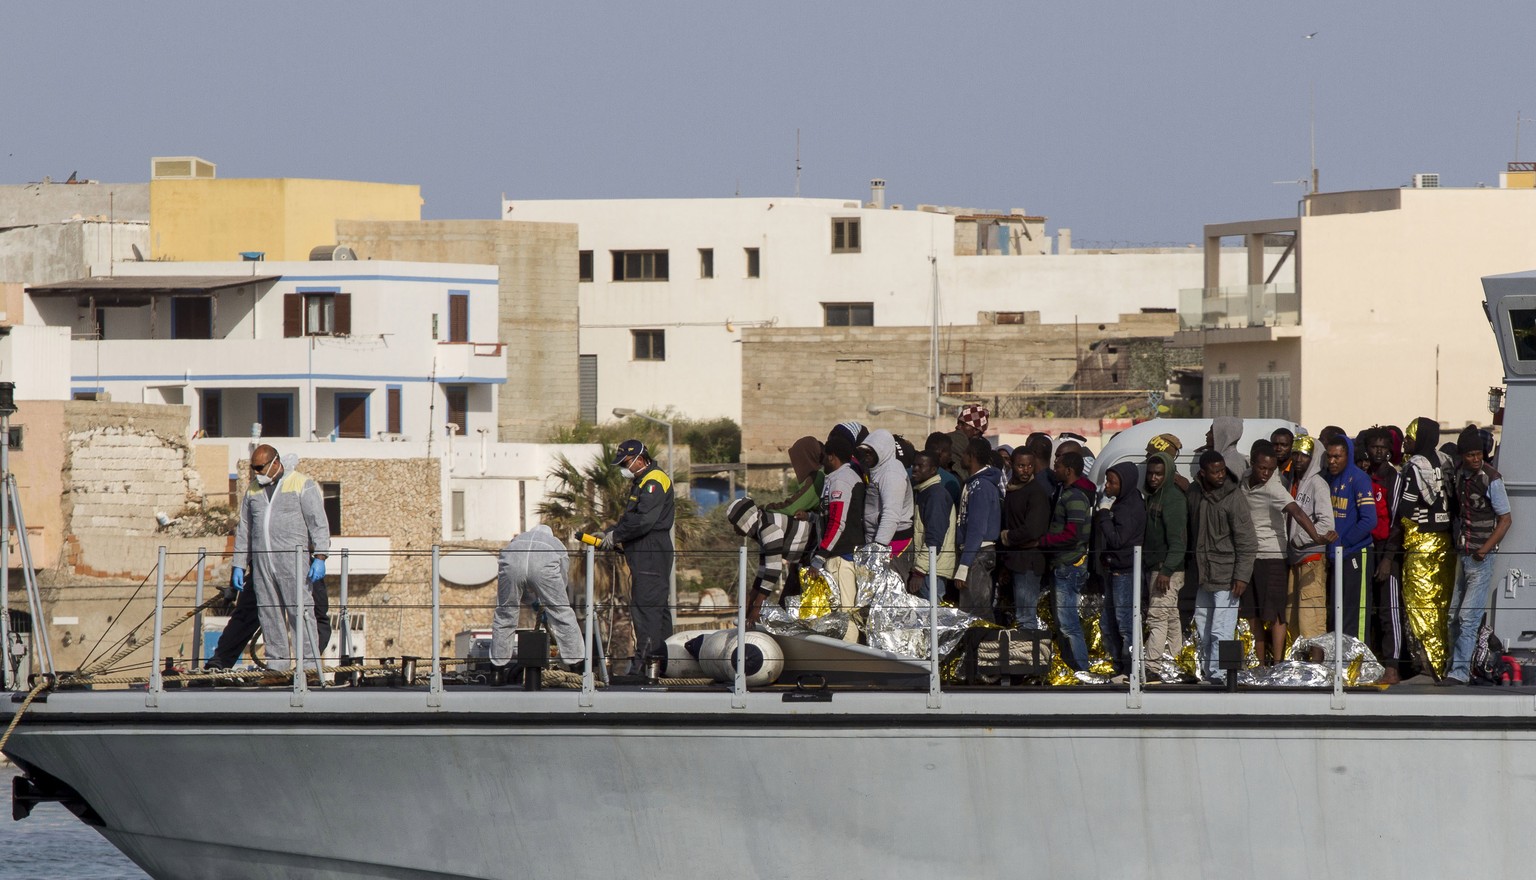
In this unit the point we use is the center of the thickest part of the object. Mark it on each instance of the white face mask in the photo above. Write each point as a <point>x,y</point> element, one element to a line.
<point>263,480</point>
<point>628,474</point>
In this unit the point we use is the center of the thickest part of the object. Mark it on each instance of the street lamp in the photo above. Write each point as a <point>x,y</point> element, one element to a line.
<point>624,412</point>
<point>876,409</point>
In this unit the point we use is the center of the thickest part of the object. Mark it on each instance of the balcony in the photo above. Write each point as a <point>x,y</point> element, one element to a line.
<point>1239,308</point>
<point>470,362</point>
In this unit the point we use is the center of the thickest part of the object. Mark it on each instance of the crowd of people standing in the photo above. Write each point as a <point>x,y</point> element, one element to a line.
<point>1409,526</point>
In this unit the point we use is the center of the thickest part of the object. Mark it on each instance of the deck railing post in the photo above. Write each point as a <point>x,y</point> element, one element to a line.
<point>435,683</point>
<point>156,683</point>
<point>301,598</point>
<point>345,618</point>
<point>935,688</point>
<point>739,685</point>
<point>1338,627</point>
<point>197,618</point>
<point>588,667</point>
<point>1133,697</point>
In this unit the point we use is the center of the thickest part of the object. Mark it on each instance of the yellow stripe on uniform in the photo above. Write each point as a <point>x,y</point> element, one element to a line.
<point>657,476</point>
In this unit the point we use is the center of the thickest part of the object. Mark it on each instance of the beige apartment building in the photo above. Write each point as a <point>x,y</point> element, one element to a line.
<point>1372,316</point>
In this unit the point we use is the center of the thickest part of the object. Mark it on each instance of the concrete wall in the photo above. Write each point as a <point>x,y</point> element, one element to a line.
<point>218,219</point>
<point>702,318</point>
<point>1384,290</point>
<point>66,251</point>
<point>38,204</point>
<point>538,305</point>
<point>804,380</point>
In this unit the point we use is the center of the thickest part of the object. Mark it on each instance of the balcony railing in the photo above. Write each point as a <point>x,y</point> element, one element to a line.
<point>1249,305</point>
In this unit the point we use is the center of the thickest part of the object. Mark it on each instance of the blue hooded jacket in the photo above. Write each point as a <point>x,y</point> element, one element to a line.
<point>1354,505</point>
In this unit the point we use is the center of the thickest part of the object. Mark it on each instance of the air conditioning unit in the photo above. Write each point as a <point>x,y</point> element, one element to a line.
<point>331,252</point>
<point>181,168</point>
<point>1426,181</point>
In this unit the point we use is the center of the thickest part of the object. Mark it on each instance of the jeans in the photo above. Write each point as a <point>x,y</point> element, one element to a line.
<point>1117,625</point>
<point>1468,604</point>
<point>1215,621</point>
<point>1026,597</point>
<point>1068,592</point>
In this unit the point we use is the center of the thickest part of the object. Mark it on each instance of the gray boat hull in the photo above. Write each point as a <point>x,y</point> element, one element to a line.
<point>506,784</point>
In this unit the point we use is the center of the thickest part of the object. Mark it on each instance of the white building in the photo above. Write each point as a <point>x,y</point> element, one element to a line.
<point>666,284</point>
<point>311,350</point>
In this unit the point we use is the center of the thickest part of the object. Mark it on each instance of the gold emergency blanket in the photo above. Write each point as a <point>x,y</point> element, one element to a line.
<point>1429,576</point>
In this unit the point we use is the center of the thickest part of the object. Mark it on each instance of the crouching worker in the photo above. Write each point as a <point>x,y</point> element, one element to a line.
<point>535,564</point>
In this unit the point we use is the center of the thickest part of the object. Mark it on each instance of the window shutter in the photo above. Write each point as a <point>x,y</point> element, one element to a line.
<point>343,314</point>
<point>293,315</point>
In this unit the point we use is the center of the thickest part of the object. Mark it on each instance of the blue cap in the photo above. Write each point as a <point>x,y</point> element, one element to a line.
<point>628,449</point>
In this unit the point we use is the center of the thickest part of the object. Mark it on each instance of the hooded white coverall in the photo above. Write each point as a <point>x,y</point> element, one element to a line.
<point>536,563</point>
<point>274,520</point>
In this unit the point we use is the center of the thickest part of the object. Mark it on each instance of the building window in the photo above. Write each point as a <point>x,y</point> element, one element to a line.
<point>274,412</point>
<point>650,345</point>
<point>706,262</point>
<point>457,513</point>
<point>352,415</point>
<point>15,435</point>
<point>639,265</point>
<point>1274,396</point>
<point>1221,396</point>
<point>458,316</point>
<point>392,409</point>
<point>457,397</point>
<point>330,494</point>
<point>845,235</point>
<point>211,412</point>
<point>848,314</point>
<point>584,261</point>
<point>317,314</point>
<point>955,383</point>
<point>754,263</point>
<point>192,317</point>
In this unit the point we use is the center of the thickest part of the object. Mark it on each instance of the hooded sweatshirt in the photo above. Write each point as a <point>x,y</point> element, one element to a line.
<point>848,512</point>
<point>1316,501</point>
<point>935,526</point>
<point>805,492</point>
<point>781,540</point>
<point>1424,490</point>
<point>1224,538</point>
<point>981,513</point>
<point>1226,433</point>
<point>1120,529</point>
<point>895,508</point>
<point>1167,523</point>
<point>1354,502</point>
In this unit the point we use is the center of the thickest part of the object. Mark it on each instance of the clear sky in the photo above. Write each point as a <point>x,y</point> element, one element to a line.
<point>1128,122</point>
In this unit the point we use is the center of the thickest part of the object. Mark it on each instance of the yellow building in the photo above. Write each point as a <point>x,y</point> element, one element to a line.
<point>205,218</point>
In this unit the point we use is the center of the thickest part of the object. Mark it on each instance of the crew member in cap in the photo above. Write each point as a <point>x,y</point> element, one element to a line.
<point>970,423</point>
<point>644,533</point>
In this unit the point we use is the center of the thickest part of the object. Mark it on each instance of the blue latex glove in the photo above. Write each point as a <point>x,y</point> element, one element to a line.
<point>316,570</point>
<point>237,579</point>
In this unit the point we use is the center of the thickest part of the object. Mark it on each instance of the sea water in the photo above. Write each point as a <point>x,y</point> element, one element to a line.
<point>51,844</point>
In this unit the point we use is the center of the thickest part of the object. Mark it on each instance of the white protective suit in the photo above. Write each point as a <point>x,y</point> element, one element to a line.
<point>536,563</point>
<point>265,542</point>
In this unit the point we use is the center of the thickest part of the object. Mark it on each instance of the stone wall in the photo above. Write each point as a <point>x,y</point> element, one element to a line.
<point>123,463</point>
<point>800,381</point>
<point>538,306</point>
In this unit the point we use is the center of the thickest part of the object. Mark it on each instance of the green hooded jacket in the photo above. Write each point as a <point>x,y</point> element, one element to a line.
<point>1166,543</point>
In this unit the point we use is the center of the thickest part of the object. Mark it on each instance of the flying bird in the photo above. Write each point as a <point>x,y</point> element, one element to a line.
<point>1311,35</point>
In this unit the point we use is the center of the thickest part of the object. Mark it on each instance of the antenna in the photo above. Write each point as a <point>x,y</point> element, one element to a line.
<point>797,162</point>
<point>1520,118</point>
